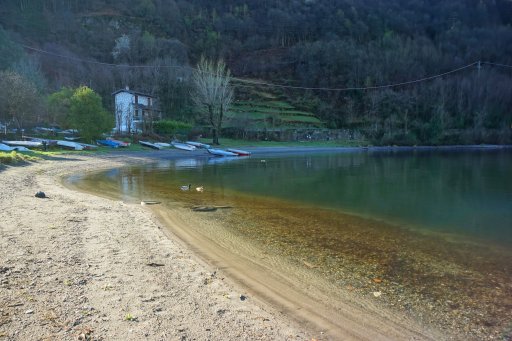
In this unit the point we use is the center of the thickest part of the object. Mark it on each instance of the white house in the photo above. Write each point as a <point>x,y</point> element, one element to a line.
<point>134,111</point>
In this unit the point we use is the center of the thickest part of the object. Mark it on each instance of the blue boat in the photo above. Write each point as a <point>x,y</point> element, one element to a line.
<point>108,143</point>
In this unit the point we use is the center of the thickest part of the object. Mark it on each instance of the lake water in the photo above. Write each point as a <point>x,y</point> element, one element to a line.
<point>426,227</point>
<point>462,192</point>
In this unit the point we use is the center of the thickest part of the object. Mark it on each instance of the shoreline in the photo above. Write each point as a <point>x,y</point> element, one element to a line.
<point>316,304</point>
<point>76,265</point>
<point>347,323</point>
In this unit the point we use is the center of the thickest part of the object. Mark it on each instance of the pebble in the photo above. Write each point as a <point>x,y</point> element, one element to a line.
<point>30,311</point>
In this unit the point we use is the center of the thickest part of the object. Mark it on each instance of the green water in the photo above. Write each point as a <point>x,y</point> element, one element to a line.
<point>431,230</point>
<point>461,192</point>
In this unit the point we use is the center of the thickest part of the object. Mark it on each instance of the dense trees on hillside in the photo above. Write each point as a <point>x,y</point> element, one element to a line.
<point>305,43</point>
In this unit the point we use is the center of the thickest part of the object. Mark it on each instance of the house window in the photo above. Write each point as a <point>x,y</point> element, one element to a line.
<point>136,99</point>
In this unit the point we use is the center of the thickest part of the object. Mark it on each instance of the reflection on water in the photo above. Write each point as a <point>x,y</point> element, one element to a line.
<point>296,207</point>
<point>465,192</point>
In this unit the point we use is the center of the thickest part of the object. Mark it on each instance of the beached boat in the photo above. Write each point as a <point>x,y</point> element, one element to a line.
<point>150,145</point>
<point>43,141</point>
<point>72,138</point>
<point>70,145</point>
<point>239,152</point>
<point>198,144</point>
<point>220,152</point>
<point>183,146</point>
<point>33,144</point>
<point>21,149</point>
<point>88,146</point>
<point>163,144</point>
<point>108,143</point>
<point>5,148</point>
<point>119,143</point>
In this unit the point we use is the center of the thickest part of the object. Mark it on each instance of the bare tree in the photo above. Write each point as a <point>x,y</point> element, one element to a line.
<point>213,93</point>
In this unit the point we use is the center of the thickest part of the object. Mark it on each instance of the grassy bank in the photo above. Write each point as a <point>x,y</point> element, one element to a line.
<point>7,158</point>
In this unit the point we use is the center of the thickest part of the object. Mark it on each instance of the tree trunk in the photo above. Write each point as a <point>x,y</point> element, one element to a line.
<point>215,140</point>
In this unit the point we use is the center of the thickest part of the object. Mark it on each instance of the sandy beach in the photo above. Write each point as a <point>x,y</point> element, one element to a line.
<point>79,266</point>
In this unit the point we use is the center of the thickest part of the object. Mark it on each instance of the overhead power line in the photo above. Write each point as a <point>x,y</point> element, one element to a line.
<point>252,83</point>
<point>361,88</point>
<point>102,63</point>
<point>497,64</point>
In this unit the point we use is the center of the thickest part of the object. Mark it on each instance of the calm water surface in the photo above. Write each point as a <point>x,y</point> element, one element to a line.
<point>462,192</point>
<point>431,230</point>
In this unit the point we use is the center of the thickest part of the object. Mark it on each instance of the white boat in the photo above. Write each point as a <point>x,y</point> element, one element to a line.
<point>150,145</point>
<point>70,145</point>
<point>220,152</point>
<point>43,141</point>
<point>163,144</point>
<point>33,144</point>
<point>183,146</point>
<point>88,146</point>
<point>198,144</point>
<point>21,149</point>
<point>239,152</point>
<point>72,138</point>
<point>6,148</point>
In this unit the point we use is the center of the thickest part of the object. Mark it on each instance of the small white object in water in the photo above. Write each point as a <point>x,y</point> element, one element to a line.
<point>185,188</point>
<point>263,161</point>
<point>377,293</point>
<point>200,189</point>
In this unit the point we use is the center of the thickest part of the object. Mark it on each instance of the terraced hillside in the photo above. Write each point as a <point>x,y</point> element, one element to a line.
<point>257,110</point>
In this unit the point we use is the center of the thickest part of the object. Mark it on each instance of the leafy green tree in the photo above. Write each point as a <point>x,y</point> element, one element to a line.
<point>59,104</point>
<point>87,114</point>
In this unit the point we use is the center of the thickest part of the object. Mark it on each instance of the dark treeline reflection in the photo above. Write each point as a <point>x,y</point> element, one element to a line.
<point>466,192</point>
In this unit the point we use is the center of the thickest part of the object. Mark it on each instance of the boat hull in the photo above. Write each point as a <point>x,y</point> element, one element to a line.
<point>107,143</point>
<point>239,152</point>
<point>220,152</point>
<point>198,144</point>
<point>184,146</point>
<point>70,145</point>
<point>33,144</point>
<point>150,145</point>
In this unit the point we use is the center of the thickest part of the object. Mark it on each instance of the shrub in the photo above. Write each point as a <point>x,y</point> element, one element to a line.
<point>170,127</point>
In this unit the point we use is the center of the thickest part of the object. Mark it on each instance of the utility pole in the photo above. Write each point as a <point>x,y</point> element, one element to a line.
<point>479,66</point>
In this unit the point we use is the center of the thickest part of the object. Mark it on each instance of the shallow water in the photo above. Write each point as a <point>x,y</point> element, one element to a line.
<point>462,192</point>
<point>432,230</point>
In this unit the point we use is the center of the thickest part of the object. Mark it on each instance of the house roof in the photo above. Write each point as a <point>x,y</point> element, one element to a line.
<point>132,92</point>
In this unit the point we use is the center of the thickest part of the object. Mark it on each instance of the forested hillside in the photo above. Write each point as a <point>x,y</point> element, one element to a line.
<point>299,43</point>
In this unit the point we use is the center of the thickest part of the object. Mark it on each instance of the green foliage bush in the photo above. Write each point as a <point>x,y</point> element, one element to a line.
<point>171,127</point>
<point>87,114</point>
